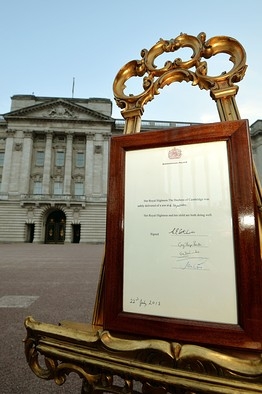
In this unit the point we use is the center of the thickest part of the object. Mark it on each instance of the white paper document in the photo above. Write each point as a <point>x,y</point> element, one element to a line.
<point>179,259</point>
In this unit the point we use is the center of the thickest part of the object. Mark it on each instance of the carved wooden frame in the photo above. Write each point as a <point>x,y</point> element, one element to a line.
<point>247,333</point>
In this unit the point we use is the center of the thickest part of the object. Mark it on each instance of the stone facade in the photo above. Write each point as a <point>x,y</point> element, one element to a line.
<point>256,142</point>
<point>54,167</point>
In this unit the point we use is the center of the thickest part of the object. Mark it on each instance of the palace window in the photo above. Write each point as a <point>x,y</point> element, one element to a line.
<point>79,189</point>
<point>2,156</point>
<point>37,187</point>
<point>58,188</point>
<point>40,157</point>
<point>80,159</point>
<point>60,158</point>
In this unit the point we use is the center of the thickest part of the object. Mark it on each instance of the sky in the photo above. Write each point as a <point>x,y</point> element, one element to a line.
<point>45,44</point>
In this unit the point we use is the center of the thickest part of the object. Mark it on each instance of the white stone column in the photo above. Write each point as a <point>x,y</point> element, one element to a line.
<point>47,164</point>
<point>68,164</point>
<point>105,162</point>
<point>68,231</point>
<point>39,234</point>
<point>89,164</point>
<point>7,161</point>
<point>257,154</point>
<point>98,166</point>
<point>26,163</point>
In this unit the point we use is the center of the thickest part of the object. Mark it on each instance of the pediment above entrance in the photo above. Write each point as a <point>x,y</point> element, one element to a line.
<point>58,109</point>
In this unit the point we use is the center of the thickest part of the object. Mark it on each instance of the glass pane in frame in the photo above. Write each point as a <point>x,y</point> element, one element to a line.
<point>179,199</point>
<point>132,255</point>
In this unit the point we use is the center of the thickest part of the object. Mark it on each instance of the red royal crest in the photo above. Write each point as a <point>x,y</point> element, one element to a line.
<point>175,153</point>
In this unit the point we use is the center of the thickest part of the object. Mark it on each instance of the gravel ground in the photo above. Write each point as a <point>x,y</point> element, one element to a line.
<point>51,283</point>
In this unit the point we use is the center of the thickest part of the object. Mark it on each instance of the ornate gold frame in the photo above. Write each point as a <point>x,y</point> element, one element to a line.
<point>195,70</point>
<point>157,365</point>
<point>154,366</point>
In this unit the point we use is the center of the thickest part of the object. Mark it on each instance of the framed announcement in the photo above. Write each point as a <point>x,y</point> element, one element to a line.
<point>182,252</point>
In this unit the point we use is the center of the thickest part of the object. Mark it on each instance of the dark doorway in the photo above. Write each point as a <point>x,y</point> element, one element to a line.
<point>30,232</point>
<point>76,233</point>
<point>55,228</point>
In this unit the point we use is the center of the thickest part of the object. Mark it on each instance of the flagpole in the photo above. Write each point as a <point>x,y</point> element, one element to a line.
<point>73,87</point>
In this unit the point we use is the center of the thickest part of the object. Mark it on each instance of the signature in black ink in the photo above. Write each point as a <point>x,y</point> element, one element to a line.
<point>193,266</point>
<point>181,231</point>
<point>188,253</point>
<point>195,244</point>
<point>192,263</point>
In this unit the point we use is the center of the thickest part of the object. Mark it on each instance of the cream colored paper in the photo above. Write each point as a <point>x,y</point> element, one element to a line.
<point>178,237</point>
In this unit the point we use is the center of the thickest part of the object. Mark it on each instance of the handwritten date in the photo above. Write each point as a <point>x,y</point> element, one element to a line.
<point>141,302</point>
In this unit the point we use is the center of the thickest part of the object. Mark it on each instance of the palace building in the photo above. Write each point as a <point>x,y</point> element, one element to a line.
<point>54,167</point>
<point>256,142</point>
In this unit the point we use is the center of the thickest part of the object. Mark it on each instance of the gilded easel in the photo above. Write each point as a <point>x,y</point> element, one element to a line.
<point>222,90</point>
<point>121,364</point>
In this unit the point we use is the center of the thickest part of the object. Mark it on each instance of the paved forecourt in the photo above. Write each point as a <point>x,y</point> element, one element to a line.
<point>51,283</point>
